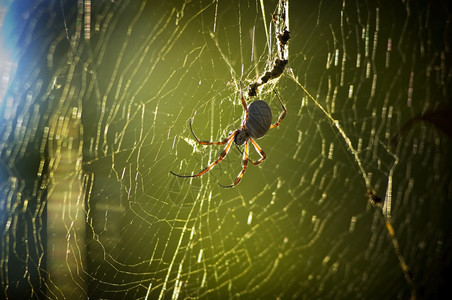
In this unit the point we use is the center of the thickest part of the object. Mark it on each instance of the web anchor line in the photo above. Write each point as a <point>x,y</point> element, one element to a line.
<point>375,200</point>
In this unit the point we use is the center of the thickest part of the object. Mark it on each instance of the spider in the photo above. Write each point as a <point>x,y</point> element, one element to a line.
<point>256,123</point>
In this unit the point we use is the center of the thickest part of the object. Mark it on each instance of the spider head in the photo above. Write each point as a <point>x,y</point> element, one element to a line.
<point>241,137</point>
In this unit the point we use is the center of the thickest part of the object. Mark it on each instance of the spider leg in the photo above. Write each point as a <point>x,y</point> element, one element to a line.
<point>229,141</point>
<point>206,142</point>
<point>261,153</point>
<point>244,165</point>
<point>245,107</point>
<point>249,159</point>
<point>283,114</point>
<point>258,149</point>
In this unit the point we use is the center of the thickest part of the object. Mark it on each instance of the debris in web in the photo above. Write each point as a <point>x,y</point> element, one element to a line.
<point>281,22</point>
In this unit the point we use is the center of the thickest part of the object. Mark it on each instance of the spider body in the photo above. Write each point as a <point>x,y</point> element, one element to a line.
<point>257,121</point>
<point>241,137</point>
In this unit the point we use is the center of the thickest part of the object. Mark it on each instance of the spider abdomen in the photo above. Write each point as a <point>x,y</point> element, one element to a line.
<point>259,119</point>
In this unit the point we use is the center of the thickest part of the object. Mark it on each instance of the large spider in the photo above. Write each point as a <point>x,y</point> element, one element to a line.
<point>256,123</point>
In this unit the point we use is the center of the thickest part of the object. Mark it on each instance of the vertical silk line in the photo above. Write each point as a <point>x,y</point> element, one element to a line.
<point>87,20</point>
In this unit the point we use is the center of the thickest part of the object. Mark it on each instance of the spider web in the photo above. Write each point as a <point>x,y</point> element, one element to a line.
<point>352,200</point>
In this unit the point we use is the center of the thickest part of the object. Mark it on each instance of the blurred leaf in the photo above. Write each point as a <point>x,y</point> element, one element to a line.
<point>440,118</point>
